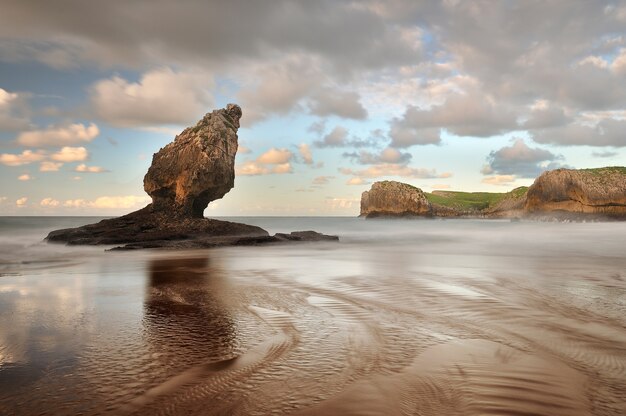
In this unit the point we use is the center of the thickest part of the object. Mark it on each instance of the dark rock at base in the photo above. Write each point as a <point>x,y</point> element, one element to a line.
<point>305,236</point>
<point>152,227</point>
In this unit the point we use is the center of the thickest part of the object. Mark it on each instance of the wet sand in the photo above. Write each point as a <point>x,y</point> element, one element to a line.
<point>515,319</point>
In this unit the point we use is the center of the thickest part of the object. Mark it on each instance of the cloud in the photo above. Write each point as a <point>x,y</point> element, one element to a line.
<point>21,202</point>
<point>520,159</point>
<point>468,114</point>
<point>305,153</point>
<point>279,87</point>
<point>24,158</point>
<point>544,114</point>
<point>604,154</point>
<point>275,156</point>
<point>109,202</point>
<point>161,96</point>
<point>499,180</point>
<point>70,154</point>
<point>243,150</point>
<point>13,111</point>
<point>49,203</point>
<point>387,155</point>
<point>89,169</point>
<point>24,177</point>
<point>345,104</point>
<point>357,181</point>
<point>338,137</point>
<point>607,132</point>
<point>390,169</point>
<point>322,180</point>
<point>272,161</point>
<point>59,135</point>
<point>48,166</point>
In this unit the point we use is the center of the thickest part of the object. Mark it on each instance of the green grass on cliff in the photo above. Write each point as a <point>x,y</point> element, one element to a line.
<point>472,201</point>
<point>606,170</point>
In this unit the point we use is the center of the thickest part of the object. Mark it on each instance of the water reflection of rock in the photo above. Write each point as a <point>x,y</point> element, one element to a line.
<point>185,319</point>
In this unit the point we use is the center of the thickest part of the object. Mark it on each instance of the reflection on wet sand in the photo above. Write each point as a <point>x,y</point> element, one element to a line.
<point>465,326</point>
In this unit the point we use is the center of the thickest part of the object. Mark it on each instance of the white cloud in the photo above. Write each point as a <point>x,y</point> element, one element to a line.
<point>21,202</point>
<point>305,153</point>
<point>59,135</point>
<point>89,169</point>
<point>387,155</point>
<point>24,177</point>
<point>162,96</point>
<point>391,169</point>
<point>357,181</point>
<point>275,156</point>
<point>70,154</point>
<point>272,161</point>
<point>13,111</point>
<point>499,180</point>
<point>24,158</point>
<point>49,203</point>
<point>48,166</point>
<point>109,202</point>
<point>322,180</point>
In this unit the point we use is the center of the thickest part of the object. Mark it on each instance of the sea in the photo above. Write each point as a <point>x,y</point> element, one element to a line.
<point>400,317</point>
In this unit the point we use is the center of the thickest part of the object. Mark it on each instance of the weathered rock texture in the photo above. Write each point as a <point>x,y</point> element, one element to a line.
<point>195,169</point>
<point>595,192</point>
<point>391,198</point>
<point>562,194</point>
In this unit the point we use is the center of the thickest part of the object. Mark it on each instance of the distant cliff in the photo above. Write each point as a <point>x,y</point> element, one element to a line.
<point>599,192</point>
<point>562,193</point>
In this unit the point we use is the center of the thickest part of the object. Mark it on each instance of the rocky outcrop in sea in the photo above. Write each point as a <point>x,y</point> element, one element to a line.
<point>185,176</point>
<point>561,194</point>
<point>391,198</point>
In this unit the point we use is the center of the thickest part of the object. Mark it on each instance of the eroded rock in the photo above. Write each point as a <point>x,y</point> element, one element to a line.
<point>185,176</point>
<point>391,198</point>
<point>197,167</point>
<point>591,192</point>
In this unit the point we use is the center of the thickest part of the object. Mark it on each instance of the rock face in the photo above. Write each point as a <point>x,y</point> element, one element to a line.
<point>562,194</point>
<point>391,198</point>
<point>596,192</point>
<point>197,167</point>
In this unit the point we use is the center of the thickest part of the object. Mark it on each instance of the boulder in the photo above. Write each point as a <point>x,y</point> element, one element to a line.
<point>391,198</point>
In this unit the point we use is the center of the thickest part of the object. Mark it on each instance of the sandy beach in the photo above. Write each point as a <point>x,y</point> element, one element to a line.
<point>400,317</point>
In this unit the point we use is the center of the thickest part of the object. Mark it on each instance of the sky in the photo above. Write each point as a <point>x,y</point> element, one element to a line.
<point>452,95</point>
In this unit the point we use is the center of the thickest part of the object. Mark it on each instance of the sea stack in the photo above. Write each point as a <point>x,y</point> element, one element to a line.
<point>185,176</point>
<point>197,167</point>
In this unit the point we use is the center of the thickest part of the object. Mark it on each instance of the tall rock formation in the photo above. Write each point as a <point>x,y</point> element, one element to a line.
<point>197,167</point>
<point>391,198</point>
<point>600,192</point>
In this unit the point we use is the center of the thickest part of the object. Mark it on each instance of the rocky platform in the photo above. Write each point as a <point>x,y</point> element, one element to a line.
<point>185,176</point>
